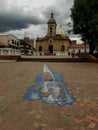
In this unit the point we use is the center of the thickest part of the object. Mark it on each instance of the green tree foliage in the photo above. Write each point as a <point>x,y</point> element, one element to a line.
<point>84,14</point>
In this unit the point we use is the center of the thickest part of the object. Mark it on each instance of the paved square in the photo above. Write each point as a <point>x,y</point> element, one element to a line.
<point>17,114</point>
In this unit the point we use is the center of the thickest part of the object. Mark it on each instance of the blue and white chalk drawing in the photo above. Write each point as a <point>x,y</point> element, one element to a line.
<point>50,88</point>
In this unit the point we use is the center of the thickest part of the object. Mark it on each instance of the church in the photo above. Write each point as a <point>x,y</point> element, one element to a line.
<point>53,42</point>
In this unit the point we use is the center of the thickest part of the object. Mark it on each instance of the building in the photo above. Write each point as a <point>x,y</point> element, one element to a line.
<point>78,48</point>
<point>26,46</point>
<point>9,41</point>
<point>53,42</point>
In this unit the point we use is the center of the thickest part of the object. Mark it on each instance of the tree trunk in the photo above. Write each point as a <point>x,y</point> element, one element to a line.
<point>92,47</point>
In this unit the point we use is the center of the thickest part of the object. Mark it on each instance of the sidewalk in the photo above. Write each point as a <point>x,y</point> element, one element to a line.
<point>18,114</point>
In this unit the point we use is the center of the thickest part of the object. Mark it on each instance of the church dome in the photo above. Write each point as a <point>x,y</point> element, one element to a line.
<point>52,20</point>
<point>61,31</point>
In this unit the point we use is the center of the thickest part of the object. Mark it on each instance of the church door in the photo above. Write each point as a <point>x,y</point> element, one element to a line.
<point>50,49</point>
<point>62,48</point>
<point>40,48</point>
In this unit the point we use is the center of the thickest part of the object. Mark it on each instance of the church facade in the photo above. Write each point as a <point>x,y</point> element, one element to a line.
<point>53,42</point>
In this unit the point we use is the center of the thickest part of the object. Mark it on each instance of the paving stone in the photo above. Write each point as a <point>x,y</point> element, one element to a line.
<point>77,120</point>
<point>43,125</point>
<point>38,116</point>
<point>92,125</point>
<point>36,124</point>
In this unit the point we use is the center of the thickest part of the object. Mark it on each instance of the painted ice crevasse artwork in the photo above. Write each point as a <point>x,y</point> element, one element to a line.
<point>50,88</point>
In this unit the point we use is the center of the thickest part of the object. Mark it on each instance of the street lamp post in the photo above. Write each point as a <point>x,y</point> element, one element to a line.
<point>85,47</point>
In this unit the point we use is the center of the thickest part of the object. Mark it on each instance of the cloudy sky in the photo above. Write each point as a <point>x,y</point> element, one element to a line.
<point>29,17</point>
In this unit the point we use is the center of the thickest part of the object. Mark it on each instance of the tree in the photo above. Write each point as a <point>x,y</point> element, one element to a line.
<point>84,14</point>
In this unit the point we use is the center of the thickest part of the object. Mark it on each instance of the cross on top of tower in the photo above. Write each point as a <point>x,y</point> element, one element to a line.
<point>51,15</point>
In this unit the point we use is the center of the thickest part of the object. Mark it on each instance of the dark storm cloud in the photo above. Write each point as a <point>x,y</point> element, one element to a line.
<point>14,19</point>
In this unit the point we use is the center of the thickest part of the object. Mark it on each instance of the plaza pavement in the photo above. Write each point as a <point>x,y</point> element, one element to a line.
<point>18,114</point>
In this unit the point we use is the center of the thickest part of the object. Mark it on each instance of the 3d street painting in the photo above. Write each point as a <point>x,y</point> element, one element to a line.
<point>50,88</point>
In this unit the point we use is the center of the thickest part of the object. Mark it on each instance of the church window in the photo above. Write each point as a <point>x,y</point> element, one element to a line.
<point>50,30</point>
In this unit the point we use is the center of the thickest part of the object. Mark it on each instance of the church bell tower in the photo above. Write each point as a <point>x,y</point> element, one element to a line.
<point>51,26</point>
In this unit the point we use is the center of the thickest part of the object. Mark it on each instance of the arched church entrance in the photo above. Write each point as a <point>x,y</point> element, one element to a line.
<point>62,48</point>
<point>40,48</point>
<point>50,49</point>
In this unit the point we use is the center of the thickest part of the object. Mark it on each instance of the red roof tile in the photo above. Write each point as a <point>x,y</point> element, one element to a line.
<point>78,46</point>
